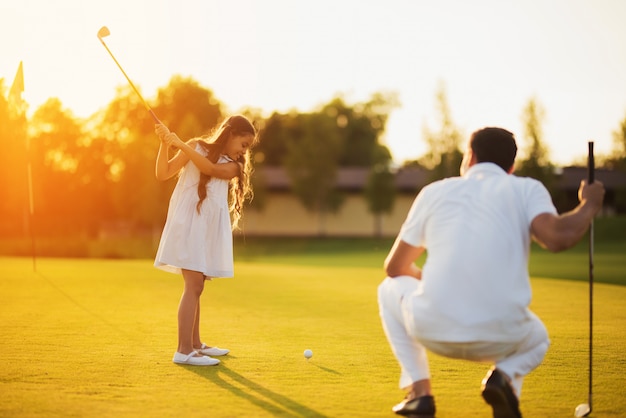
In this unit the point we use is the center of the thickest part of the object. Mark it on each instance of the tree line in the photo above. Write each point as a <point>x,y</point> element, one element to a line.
<point>98,173</point>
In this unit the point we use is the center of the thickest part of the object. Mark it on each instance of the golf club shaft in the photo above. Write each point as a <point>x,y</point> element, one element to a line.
<point>156,120</point>
<point>591,175</point>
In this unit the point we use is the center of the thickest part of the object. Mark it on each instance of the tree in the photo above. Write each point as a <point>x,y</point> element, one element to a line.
<point>257,180</point>
<point>444,156</point>
<point>617,161</point>
<point>272,149</point>
<point>536,163</point>
<point>313,146</point>
<point>99,176</point>
<point>380,194</point>
<point>187,108</point>
<point>60,191</point>
<point>360,127</point>
<point>129,131</point>
<point>312,162</point>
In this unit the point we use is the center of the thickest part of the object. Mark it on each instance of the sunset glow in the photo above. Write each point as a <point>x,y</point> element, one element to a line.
<point>491,56</point>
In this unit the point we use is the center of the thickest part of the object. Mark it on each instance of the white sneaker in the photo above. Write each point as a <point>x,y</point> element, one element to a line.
<point>212,351</point>
<point>192,360</point>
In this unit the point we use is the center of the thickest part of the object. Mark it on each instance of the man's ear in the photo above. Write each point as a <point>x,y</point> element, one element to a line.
<point>512,169</point>
<point>468,160</point>
<point>473,160</point>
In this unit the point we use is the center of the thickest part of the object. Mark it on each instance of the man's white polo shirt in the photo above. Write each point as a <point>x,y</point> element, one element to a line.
<point>476,230</point>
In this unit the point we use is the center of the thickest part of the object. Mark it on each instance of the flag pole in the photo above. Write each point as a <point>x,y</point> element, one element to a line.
<point>31,203</point>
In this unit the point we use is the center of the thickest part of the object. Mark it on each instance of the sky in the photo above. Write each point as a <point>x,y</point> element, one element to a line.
<point>491,57</point>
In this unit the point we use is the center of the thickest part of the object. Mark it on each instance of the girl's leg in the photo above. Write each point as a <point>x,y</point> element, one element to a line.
<point>188,309</point>
<point>197,342</point>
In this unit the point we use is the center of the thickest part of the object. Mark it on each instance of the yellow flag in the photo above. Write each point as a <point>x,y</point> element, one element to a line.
<point>17,88</point>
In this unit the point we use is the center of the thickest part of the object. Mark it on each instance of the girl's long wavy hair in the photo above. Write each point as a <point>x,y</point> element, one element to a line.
<point>239,187</point>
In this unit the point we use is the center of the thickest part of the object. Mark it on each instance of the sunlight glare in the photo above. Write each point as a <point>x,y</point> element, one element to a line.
<point>278,55</point>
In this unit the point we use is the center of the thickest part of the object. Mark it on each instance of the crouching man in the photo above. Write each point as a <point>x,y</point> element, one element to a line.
<point>471,299</point>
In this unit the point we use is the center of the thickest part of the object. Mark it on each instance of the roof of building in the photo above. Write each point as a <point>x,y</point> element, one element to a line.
<point>570,177</point>
<point>413,178</point>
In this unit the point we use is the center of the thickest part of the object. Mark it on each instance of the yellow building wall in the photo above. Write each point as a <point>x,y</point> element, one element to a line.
<point>284,215</point>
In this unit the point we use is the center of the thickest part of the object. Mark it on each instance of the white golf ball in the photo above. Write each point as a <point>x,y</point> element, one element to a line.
<point>308,353</point>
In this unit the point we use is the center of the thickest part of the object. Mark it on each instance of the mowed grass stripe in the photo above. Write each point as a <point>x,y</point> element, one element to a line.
<point>85,338</point>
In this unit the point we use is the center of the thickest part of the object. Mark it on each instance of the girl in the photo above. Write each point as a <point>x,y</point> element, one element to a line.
<point>197,238</point>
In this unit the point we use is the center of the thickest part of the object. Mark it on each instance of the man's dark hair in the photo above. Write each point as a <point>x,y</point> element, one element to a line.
<point>494,145</point>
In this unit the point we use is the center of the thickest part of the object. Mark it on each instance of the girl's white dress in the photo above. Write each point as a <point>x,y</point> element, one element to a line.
<point>197,241</point>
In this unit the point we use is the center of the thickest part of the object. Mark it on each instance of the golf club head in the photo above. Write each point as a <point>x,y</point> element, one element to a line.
<point>582,410</point>
<point>104,31</point>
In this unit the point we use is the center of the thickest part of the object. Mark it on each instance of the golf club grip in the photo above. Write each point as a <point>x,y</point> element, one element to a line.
<point>591,166</point>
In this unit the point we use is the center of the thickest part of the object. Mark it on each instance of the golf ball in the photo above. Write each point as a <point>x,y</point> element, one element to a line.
<point>308,353</point>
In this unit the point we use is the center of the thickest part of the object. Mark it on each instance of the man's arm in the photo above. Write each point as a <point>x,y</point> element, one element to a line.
<point>401,260</point>
<point>560,232</point>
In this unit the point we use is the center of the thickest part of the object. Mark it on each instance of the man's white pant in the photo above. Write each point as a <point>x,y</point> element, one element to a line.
<point>516,359</point>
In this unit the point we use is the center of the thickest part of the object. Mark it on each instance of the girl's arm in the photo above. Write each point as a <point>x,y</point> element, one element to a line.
<point>224,171</point>
<point>166,168</point>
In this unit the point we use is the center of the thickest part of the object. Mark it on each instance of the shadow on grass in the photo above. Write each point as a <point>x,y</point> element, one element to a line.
<point>272,402</point>
<point>326,369</point>
<point>80,305</point>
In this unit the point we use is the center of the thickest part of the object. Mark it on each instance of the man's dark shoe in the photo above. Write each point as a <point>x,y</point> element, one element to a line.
<point>498,393</point>
<point>422,407</point>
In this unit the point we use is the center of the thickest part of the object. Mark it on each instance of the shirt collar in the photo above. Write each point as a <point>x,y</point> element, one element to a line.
<point>484,169</point>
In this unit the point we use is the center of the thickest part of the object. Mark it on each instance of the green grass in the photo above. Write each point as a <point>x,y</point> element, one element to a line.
<point>573,264</point>
<point>86,338</point>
